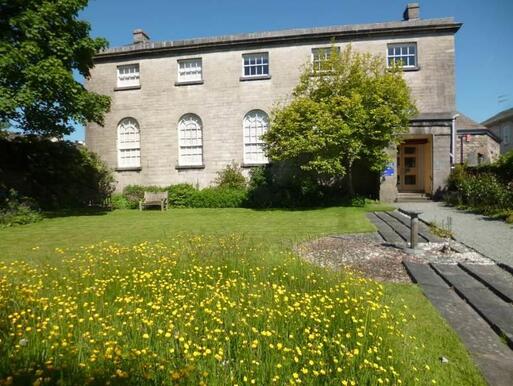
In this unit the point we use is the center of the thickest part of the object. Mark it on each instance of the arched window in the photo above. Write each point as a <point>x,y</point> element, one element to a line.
<point>129,143</point>
<point>256,123</point>
<point>190,139</point>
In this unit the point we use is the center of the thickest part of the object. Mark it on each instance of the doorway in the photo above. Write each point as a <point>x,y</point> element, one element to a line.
<point>410,165</point>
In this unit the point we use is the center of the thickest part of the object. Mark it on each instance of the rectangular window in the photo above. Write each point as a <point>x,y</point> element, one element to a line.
<point>128,75</point>
<point>404,54</point>
<point>320,57</point>
<point>189,70</point>
<point>255,64</point>
<point>506,134</point>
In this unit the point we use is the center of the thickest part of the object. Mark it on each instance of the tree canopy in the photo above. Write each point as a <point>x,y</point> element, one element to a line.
<point>351,107</point>
<point>41,43</point>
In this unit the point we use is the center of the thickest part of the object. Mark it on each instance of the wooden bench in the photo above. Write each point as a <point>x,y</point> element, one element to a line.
<point>154,199</point>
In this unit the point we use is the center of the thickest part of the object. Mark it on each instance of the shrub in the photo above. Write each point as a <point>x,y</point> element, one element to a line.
<point>18,211</point>
<point>217,197</point>
<point>119,201</point>
<point>57,175</point>
<point>358,201</point>
<point>180,195</point>
<point>231,177</point>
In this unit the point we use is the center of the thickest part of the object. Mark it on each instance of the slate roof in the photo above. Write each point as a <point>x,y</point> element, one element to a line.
<point>289,36</point>
<point>466,125</point>
<point>503,115</point>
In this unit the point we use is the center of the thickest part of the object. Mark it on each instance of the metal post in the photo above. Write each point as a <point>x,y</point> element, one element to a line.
<point>414,235</point>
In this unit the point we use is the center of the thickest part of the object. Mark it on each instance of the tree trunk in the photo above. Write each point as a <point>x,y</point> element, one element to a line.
<point>350,187</point>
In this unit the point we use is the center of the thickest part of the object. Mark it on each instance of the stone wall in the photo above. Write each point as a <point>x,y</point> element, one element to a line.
<point>476,149</point>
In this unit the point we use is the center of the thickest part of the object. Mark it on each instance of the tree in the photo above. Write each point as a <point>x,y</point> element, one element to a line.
<point>41,43</point>
<point>353,107</point>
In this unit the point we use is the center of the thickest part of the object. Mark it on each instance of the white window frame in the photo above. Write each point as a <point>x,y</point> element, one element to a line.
<point>261,64</point>
<point>396,56</point>
<point>129,143</point>
<point>189,74</point>
<point>252,136</point>
<point>190,140</point>
<point>128,75</point>
<point>317,62</point>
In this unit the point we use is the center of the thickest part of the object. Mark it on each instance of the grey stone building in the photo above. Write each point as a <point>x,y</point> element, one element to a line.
<point>501,124</point>
<point>183,110</point>
<point>475,144</point>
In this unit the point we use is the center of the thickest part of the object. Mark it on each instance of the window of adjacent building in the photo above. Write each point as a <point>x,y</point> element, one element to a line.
<point>255,64</point>
<point>189,70</point>
<point>320,57</point>
<point>129,144</point>
<point>190,138</point>
<point>256,123</point>
<point>128,75</point>
<point>403,54</point>
<point>506,134</point>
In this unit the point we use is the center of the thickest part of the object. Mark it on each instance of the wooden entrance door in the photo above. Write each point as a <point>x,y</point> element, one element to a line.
<point>408,162</point>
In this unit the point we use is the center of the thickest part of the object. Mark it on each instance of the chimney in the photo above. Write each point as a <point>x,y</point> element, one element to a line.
<point>412,12</point>
<point>140,36</point>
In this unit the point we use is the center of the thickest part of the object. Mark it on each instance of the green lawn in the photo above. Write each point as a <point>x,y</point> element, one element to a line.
<point>276,227</point>
<point>109,311</point>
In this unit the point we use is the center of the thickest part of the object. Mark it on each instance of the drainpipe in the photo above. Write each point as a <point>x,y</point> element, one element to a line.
<point>453,140</point>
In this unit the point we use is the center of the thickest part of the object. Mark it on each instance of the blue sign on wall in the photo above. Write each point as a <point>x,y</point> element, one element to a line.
<point>389,170</point>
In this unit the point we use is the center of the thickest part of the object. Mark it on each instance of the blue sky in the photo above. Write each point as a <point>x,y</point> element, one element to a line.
<point>484,45</point>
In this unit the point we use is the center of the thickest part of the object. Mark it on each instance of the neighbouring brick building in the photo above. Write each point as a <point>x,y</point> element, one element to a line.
<point>475,143</point>
<point>182,110</point>
<point>501,125</point>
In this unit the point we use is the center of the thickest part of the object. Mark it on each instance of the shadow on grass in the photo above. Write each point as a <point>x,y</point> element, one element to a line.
<point>76,212</point>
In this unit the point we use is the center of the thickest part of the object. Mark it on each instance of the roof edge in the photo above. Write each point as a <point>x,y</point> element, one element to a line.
<point>341,31</point>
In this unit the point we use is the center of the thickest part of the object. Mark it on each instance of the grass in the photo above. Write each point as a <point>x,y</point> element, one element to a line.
<point>228,305</point>
<point>277,227</point>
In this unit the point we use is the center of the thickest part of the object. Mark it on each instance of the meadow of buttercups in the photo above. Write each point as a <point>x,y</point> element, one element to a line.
<point>198,310</point>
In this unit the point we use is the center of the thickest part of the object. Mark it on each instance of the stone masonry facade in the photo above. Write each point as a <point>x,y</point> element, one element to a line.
<point>223,97</point>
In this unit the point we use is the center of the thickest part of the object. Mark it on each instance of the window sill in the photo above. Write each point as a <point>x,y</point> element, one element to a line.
<point>129,169</point>
<point>259,77</point>
<point>253,165</point>
<point>127,88</point>
<point>189,83</point>
<point>187,167</point>
<point>406,69</point>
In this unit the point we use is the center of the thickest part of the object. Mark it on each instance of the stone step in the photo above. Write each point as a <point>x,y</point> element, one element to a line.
<point>396,225</point>
<point>411,197</point>
<point>498,313</point>
<point>494,358</point>
<point>384,230</point>
<point>494,277</point>
<point>424,230</point>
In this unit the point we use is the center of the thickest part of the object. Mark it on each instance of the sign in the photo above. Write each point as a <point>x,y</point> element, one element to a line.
<point>389,170</point>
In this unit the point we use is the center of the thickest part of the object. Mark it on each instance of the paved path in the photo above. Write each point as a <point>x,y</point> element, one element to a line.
<point>491,238</point>
<point>476,301</point>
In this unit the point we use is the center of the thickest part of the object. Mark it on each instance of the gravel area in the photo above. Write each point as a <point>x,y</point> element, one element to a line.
<point>367,254</point>
<point>492,238</point>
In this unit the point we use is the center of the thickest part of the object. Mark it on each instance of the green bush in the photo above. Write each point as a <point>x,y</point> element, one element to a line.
<point>119,201</point>
<point>358,202</point>
<point>57,175</point>
<point>480,189</point>
<point>16,211</point>
<point>231,177</point>
<point>180,195</point>
<point>217,197</point>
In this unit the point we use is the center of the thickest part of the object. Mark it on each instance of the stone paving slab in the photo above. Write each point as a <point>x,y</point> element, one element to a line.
<point>385,230</point>
<point>424,230</point>
<point>497,279</point>
<point>397,226</point>
<point>492,356</point>
<point>493,309</point>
